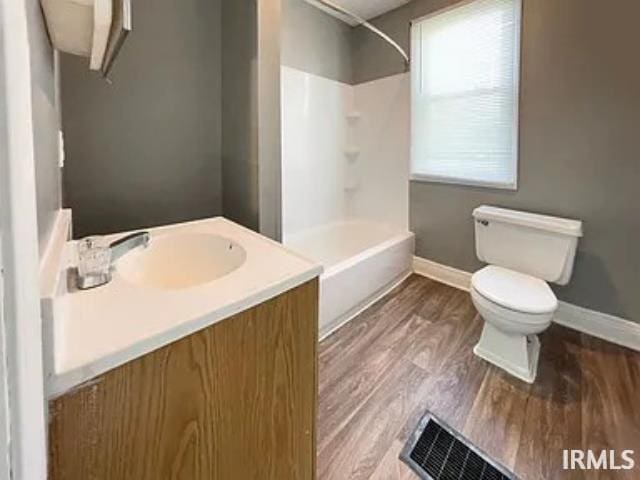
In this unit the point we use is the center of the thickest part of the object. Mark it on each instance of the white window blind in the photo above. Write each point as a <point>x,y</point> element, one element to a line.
<point>465,68</point>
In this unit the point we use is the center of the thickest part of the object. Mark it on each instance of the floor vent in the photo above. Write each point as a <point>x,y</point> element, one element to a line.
<point>437,452</point>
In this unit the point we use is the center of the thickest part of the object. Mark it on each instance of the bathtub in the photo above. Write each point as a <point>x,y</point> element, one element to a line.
<point>362,262</point>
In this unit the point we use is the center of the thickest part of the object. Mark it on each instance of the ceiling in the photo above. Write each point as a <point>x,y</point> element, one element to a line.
<point>366,9</point>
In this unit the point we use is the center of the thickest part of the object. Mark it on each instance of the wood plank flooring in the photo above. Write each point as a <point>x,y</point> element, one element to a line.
<point>412,351</point>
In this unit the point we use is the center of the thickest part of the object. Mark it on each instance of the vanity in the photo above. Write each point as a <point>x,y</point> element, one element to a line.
<point>196,361</point>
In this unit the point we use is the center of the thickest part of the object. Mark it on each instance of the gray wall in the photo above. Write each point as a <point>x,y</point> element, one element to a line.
<point>45,123</point>
<point>146,150</point>
<point>239,110</point>
<point>315,42</point>
<point>579,125</point>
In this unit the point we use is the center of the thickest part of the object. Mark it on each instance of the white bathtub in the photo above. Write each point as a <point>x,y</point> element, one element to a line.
<point>362,262</point>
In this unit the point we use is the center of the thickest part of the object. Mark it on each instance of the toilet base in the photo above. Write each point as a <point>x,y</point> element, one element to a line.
<point>516,354</point>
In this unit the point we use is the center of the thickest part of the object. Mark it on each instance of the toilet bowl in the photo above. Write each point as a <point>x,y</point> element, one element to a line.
<point>524,252</point>
<point>515,308</point>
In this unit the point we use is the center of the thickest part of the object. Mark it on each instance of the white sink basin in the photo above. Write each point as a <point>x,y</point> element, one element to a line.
<point>181,260</point>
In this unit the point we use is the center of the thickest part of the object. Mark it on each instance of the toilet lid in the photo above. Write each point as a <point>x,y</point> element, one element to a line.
<point>514,290</point>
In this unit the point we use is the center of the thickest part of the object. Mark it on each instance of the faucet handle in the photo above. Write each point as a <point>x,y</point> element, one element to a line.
<point>96,257</point>
<point>94,262</point>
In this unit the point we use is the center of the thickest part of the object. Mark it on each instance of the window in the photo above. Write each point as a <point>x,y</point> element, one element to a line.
<point>465,65</point>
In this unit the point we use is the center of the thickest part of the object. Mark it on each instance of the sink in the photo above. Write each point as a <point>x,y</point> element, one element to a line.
<point>181,260</point>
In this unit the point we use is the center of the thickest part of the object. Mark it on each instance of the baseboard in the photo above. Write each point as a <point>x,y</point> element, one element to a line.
<point>602,325</point>
<point>591,322</point>
<point>442,273</point>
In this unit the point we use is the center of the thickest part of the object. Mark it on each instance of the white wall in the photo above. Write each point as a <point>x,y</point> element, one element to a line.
<point>314,136</point>
<point>18,223</point>
<point>322,182</point>
<point>46,122</point>
<point>383,136</point>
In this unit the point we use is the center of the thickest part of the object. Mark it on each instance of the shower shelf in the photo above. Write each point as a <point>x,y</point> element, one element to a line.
<point>354,116</point>
<point>352,153</point>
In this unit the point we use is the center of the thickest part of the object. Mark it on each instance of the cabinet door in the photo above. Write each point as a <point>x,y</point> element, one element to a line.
<point>234,401</point>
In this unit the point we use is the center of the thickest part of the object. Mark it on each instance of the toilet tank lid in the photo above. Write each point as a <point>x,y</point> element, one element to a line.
<point>562,226</point>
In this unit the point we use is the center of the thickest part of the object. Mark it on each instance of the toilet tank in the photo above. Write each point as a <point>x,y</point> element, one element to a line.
<point>538,245</point>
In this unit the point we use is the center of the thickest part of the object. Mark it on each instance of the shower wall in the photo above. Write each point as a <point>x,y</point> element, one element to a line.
<point>382,136</point>
<point>314,138</point>
<point>344,151</point>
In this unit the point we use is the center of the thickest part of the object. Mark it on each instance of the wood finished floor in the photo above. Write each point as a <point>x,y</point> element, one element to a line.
<point>412,351</point>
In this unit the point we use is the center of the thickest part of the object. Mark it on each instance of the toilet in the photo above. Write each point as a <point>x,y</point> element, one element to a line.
<point>524,252</point>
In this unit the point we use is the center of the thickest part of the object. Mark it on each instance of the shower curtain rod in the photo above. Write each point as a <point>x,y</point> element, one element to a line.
<point>364,23</point>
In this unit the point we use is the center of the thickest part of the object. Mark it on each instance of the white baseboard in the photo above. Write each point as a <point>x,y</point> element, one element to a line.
<point>442,273</point>
<point>602,325</point>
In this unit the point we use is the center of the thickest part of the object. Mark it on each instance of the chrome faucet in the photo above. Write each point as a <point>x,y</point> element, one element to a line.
<point>125,244</point>
<point>96,262</point>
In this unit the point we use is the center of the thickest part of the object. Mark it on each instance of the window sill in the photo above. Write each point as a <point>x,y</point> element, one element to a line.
<point>416,177</point>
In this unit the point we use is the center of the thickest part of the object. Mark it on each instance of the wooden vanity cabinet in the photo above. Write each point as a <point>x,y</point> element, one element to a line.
<point>235,401</point>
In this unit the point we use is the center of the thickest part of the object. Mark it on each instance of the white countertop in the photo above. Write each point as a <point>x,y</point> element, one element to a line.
<point>87,333</point>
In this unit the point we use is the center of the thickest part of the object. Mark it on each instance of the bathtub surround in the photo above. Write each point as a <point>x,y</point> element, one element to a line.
<point>358,167</point>
<point>345,192</point>
<point>314,166</point>
<point>382,131</point>
<point>579,112</point>
<point>146,149</point>
<point>345,166</point>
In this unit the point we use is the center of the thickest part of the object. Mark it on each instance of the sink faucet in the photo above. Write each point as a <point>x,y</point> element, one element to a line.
<point>96,262</point>
<point>125,244</point>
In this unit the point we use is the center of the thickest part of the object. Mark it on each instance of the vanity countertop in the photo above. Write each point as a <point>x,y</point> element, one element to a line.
<point>88,332</point>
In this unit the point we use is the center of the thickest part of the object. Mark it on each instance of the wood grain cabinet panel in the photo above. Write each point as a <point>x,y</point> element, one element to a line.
<point>234,401</point>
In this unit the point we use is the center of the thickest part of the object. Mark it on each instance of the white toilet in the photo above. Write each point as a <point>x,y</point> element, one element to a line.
<point>524,252</point>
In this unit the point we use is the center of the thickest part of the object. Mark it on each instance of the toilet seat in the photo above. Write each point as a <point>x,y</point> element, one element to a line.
<point>508,320</point>
<point>515,291</point>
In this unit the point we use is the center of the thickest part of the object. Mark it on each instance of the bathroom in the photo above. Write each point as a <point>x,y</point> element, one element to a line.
<point>304,295</point>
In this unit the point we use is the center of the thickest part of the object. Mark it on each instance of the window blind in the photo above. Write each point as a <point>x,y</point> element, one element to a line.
<point>465,68</point>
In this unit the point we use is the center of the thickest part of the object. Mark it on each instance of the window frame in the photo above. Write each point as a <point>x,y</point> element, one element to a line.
<point>416,70</point>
